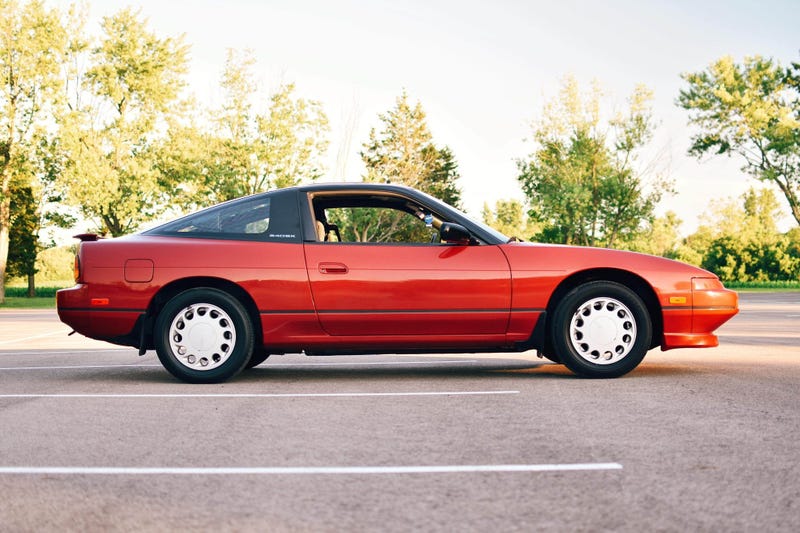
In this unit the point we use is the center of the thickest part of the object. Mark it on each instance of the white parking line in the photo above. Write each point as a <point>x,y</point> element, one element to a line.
<point>367,363</point>
<point>303,470</point>
<point>24,339</point>
<point>82,351</point>
<point>256,395</point>
<point>70,367</point>
<point>300,365</point>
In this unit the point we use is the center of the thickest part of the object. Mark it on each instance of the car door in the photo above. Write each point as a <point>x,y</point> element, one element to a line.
<point>409,289</point>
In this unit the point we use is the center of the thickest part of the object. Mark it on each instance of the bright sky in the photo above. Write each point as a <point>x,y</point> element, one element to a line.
<point>482,69</point>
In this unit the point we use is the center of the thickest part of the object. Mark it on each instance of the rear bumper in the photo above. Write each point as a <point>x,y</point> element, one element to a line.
<point>75,309</point>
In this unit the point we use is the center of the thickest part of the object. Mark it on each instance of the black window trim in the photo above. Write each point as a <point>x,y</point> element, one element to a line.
<point>271,234</point>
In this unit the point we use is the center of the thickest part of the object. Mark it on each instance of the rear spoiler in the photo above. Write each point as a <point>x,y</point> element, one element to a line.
<point>87,237</point>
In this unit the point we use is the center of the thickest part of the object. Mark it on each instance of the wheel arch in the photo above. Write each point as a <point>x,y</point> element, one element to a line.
<point>172,289</point>
<point>624,277</point>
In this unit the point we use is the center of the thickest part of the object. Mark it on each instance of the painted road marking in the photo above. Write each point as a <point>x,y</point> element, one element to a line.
<point>257,395</point>
<point>33,337</point>
<point>384,363</point>
<point>68,367</point>
<point>299,365</point>
<point>302,470</point>
<point>82,351</point>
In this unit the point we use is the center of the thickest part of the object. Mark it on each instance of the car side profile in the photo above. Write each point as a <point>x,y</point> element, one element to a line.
<point>356,268</point>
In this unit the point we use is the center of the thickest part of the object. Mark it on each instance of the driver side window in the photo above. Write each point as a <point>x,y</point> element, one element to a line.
<point>379,225</point>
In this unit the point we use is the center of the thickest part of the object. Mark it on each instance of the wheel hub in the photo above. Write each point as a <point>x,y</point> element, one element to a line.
<point>202,336</point>
<point>603,331</point>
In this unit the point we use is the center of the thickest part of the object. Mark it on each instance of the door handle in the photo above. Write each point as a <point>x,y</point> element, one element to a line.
<point>333,268</point>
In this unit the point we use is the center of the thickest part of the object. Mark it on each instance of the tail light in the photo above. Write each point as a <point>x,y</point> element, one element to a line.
<point>77,269</point>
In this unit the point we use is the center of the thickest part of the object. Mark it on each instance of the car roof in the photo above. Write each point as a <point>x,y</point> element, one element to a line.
<point>356,186</point>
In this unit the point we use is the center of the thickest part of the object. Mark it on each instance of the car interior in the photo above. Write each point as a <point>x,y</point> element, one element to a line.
<point>369,218</point>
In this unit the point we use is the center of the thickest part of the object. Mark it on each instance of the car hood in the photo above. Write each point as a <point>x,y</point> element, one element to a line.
<point>569,259</point>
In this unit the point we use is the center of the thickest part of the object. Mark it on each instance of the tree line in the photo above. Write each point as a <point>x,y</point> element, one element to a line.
<point>100,128</point>
<point>584,182</point>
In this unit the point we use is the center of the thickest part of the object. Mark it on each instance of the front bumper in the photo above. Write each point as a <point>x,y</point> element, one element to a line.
<point>694,326</point>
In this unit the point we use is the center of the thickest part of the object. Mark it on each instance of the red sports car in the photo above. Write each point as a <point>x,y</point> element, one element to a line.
<point>366,268</point>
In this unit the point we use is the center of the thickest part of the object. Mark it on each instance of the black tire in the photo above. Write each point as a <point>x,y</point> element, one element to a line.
<point>258,357</point>
<point>203,335</point>
<point>601,329</point>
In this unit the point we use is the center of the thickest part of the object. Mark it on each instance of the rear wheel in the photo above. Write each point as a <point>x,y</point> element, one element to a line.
<point>601,329</point>
<point>203,335</point>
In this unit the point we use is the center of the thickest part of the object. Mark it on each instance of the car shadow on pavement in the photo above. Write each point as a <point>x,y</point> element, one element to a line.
<point>491,369</point>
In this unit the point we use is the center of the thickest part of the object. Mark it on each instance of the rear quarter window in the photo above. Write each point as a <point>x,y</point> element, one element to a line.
<point>267,217</point>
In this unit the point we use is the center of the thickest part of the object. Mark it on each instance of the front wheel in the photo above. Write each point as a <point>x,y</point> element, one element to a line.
<point>601,329</point>
<point>203,335</point>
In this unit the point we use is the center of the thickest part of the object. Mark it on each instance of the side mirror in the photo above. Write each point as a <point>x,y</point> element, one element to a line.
<point>456,233</point>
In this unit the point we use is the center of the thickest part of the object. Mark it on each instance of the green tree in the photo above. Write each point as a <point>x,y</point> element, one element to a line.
<point>35,205</point>
<point>581,181</point>
<point>753,216</point>
<point>116,111</point>
<point>54,265</point>
<point>751,110</point>
<point>247,150</point>
<point>793,246</point>
<point>660,237</point>
<point>740,241</point>
<point>509,218</point>
<point>292,139</point>
<point>23,238</point>
<point>403,152</point>
<point>32,47</point>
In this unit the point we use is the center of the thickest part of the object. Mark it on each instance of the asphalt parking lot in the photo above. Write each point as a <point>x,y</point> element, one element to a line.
<point>96,438</point>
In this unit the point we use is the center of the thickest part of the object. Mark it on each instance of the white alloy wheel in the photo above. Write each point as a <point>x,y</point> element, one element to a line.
<point>202,336</point>
<point>603,331</point>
